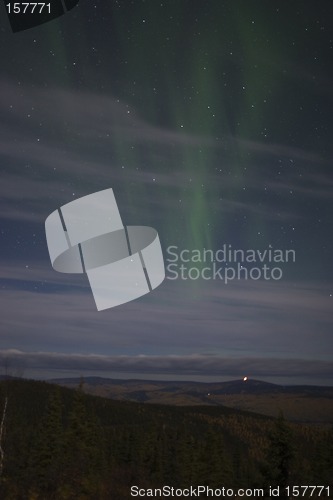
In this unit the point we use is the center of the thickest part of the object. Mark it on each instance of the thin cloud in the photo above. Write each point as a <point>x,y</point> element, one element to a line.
<point>54,170</point>
<point>240,318</point>
<point>191,365</point>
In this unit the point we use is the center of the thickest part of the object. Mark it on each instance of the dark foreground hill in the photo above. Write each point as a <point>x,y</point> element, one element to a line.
<point>58,443</point>
<point>298,403</point>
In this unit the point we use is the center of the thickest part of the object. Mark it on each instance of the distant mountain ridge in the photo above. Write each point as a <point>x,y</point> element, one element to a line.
<point>298,402</point>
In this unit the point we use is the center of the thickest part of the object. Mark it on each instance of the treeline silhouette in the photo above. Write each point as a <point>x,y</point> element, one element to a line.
<point>62,444</point>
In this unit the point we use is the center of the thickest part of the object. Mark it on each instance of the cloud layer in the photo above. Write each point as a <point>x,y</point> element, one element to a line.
<point>192,366</point>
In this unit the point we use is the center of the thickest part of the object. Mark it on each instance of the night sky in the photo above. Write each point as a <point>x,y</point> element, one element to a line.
<point>212,122</point>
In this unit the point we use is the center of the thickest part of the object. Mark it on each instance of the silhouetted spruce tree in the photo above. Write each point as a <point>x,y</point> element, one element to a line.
<point>154,453</point>
<point>83,454</point>
<point>240,461</point>
<point>187,457</point>
<point>136,442</point>
<point>3,417</point>
<point>47,448</point>
<point>216,467</point>
<point>329,458</point>
<point>280,454</point>
<point>324,462</point>
<point>168,443</point>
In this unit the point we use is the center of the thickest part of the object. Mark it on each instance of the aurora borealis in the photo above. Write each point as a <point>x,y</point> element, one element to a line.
<point>212,122</point>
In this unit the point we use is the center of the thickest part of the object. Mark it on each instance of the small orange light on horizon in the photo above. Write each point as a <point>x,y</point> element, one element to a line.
<point>245,379</point>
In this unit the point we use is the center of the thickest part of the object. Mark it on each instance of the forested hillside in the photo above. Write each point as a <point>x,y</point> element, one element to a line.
<point>58,443</point>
